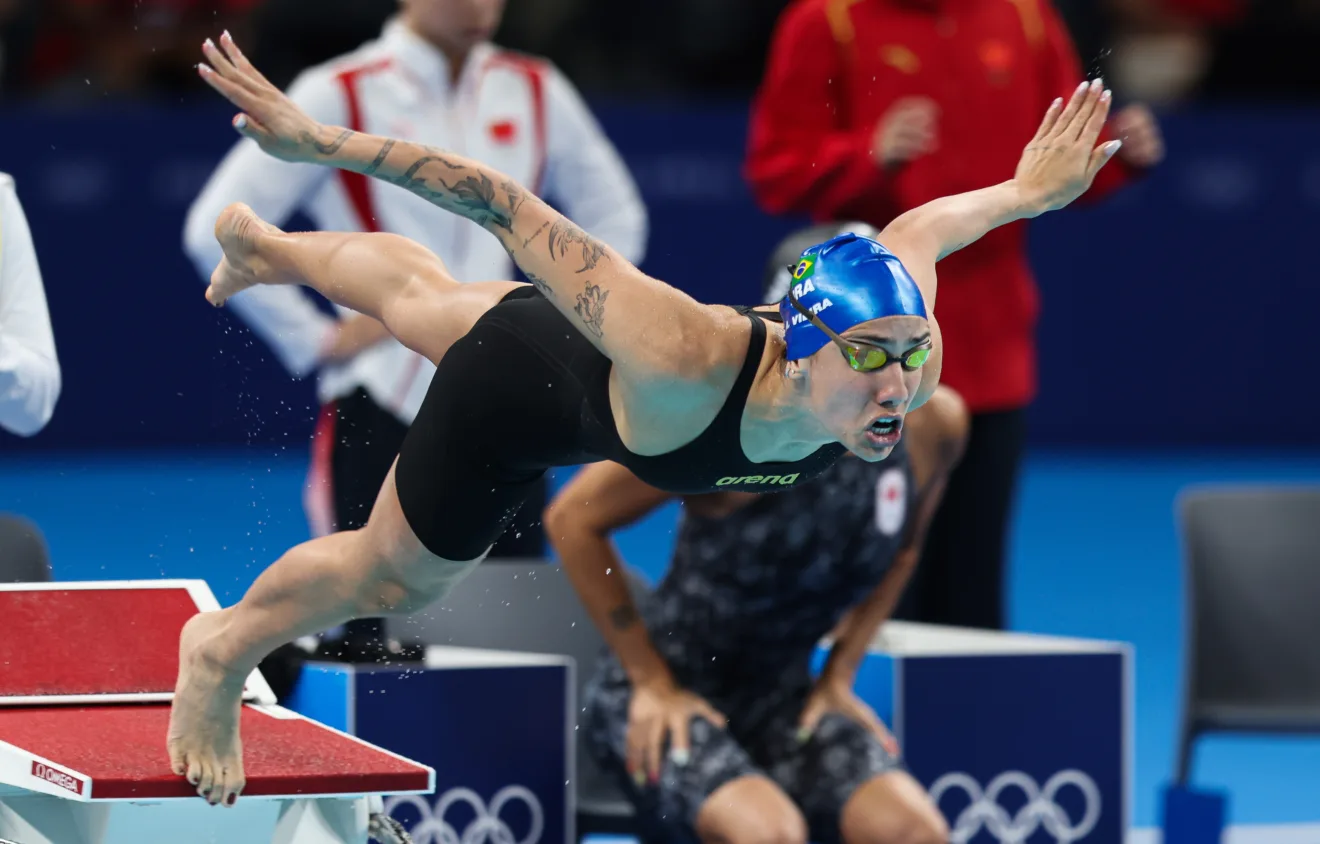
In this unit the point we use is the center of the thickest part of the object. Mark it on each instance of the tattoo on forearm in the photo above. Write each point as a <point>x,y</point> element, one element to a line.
<point>564,236</point>
<point>408,180</point>
<point>533,235</point>
<point>476,196</point>
<point>539,283</point>
<point>516,195</point>
<point>440,155</point>
<point>330,148</point>
<point>590,308</point>
<point>380,158</point>
<point>473,196</point>
<point>623,617</point>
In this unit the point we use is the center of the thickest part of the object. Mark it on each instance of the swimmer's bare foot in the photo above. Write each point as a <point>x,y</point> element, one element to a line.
<point>203,739</point>
<point>239,231</point>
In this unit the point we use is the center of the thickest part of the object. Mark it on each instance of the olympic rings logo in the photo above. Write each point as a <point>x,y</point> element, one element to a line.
<point>487,826</point>
<point>1040,809</point>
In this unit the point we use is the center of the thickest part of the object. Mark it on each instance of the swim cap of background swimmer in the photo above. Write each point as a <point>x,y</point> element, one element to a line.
<point>779,269</point>
<point>846,281</point>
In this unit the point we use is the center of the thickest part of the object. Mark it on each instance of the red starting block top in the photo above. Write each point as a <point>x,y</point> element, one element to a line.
<point>115,645</point>
<point>117,752</point>
<point>98,642</point>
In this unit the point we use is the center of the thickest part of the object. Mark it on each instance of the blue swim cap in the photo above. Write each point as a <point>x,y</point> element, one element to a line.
<point>847,280</point>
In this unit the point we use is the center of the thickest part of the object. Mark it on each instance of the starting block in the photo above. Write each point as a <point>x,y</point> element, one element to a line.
<point>88,671</point>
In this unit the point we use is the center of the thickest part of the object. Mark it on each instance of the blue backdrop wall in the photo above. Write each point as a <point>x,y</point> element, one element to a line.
<point>1179,313</point>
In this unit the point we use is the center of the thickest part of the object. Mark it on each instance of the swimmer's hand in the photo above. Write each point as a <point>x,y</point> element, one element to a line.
<point>1062,159</point>
<point>661,710</point>
<point>835,696</point>
<point>268,117</point>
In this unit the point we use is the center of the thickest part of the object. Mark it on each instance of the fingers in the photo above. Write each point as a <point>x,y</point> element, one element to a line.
<point>1100,157</point>
<point>636,760</point>
<point>1069,113</point>
<point>250,127</point>
<point>1051,117</point>
<point>680,749</point>
<point>811,716</point>
<point>713,715</point>
<point>232,66</point>
<point>1095,124</point>
<point>1086,107</point>
<point>230,90</point>
<point>236,56</point>
<point>218,60</point>
<point>881,732</point>
<point>655,749</point>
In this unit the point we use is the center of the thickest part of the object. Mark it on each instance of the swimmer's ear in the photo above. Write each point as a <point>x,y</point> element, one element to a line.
<point>794,370</point>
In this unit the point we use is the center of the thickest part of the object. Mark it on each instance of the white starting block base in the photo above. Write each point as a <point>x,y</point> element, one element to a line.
<point>41,819</point>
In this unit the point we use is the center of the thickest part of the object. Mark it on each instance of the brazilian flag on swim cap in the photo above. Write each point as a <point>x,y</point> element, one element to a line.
<point>846,281</point>
<point>805,268</point>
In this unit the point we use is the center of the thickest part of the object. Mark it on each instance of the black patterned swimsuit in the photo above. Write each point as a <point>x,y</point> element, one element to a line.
<point>737,619</point>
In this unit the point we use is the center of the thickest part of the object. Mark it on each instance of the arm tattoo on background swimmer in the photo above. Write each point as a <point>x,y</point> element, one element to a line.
<point>564,236</point>
<point>590,308</point>
<point>330,148</point>
<point>623,617</point>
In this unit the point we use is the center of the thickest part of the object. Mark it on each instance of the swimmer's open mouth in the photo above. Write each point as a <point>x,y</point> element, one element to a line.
<point>885,431</point>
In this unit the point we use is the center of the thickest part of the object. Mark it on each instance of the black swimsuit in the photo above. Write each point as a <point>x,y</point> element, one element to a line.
<point>523,391</point>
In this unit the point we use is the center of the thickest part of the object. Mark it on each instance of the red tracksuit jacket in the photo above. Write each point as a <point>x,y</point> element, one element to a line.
<point>992,66</point>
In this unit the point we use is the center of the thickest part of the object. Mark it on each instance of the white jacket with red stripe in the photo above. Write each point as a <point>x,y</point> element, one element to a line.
<point>516,113</point>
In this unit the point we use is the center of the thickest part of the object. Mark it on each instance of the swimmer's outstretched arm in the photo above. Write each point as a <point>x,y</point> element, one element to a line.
<point>646,327</point>
<point>1056,167</point>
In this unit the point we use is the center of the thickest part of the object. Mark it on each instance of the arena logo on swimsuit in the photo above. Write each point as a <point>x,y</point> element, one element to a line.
<point>781,480</point>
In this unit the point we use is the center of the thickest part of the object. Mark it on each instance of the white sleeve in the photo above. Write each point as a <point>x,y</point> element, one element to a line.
<point>283,317</point>
<point>585,176</point>
<point>29,368</point>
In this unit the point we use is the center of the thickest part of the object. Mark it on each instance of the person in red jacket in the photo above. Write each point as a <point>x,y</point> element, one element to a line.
<point>869,108</point>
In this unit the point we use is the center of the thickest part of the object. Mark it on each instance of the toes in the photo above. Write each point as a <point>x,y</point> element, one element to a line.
<point>206,784</point>
<point>194,770</point>
<point>231,784</point>
<point>177,763</point>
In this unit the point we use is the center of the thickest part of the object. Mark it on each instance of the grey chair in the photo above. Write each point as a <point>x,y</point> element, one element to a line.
<point>23,555</point>
<point>530,606</point>
<point>1252,564</point>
